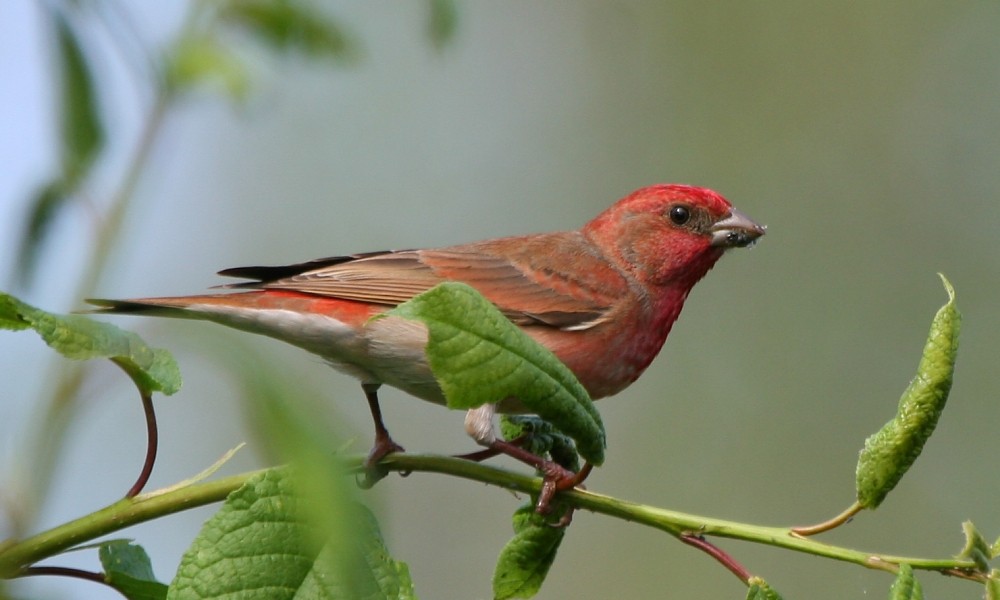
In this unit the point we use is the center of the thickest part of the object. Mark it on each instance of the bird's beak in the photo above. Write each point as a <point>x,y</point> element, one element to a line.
<point>736,231</point>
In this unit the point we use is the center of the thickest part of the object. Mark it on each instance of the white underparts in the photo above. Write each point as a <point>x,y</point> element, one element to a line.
<point>387,350</point>
<point>479,424</point>
<point>321,335</point>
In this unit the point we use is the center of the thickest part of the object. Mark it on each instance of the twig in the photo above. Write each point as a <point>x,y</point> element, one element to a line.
<point>151,444</point>
<point>14,557</point>
<point>720,555</point>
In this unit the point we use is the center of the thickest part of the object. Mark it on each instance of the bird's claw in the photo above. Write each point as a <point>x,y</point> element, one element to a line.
<point>371,472</point>
<point>556,478</point>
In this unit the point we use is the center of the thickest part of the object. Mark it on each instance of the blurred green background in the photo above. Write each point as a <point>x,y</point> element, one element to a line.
<point>865,135</point>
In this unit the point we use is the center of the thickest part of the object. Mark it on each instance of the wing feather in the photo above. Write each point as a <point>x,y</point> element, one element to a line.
<point>522,276</point>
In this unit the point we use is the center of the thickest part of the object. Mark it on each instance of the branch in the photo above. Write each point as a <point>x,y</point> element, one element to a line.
<point>16,556</point>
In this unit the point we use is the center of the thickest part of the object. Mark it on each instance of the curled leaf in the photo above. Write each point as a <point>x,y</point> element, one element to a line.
<point>480,357</point>
<point>890,452</point>
<point>758,589</point>
<point>993,585</point>
<point>976,548</point>
<point>79,338</point>
<point>541,438</point>
<point>906,586</point>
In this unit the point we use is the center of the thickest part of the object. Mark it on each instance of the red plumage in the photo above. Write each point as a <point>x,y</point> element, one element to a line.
<point>602,298</point>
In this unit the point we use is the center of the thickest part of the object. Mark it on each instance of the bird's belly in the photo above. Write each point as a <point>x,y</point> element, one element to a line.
<point>389,350</point>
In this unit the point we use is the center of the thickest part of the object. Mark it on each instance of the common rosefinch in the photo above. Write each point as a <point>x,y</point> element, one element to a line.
<point>602,298</point>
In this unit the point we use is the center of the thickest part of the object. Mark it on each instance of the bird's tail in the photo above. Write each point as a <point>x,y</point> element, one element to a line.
<point>149,307</point>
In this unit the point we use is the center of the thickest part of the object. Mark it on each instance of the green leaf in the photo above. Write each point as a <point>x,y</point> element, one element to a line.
<point>288,25</point>
<point>198,59</point>
<point>758,589</point>
<point>353,561</point>
<point>443,22</point>
<point>993,585</point>
<point>525,560</point>
<point>82,132</point>
<point>128,570</point>
<point>256,541</point>
<point>890,452</point>
<point>976,548</point>
<point>261,544</point>
<point>80,338</point>
<point>480,357</point>
<point>540,438</point>
<point>81,138</point>
<point>906,586</point>
<point>43,209</point>
<point>390,577</point>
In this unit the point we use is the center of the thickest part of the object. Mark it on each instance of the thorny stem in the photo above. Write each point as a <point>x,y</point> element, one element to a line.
<point>15,556</point>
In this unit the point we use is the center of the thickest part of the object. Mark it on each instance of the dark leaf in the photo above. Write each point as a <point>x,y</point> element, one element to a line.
<point>82,130</point>
<point>525,560</point>
<point>443,22</point>
<point>288,25</point>
<point>44,208</point>
<point>127,569</point>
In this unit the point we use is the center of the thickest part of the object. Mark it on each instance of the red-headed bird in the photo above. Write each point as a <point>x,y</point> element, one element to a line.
<point>602,298</point>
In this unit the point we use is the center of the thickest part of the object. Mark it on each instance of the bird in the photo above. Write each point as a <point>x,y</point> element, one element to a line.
<point>602,298</point>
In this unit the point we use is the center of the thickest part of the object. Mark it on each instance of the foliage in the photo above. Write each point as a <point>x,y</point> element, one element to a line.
<point>300,530</point>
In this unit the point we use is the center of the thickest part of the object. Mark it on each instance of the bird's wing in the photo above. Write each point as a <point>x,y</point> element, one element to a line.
<point>519,275</point>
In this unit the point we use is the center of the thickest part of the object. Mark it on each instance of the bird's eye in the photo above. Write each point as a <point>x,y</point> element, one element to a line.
<point>679,214</point>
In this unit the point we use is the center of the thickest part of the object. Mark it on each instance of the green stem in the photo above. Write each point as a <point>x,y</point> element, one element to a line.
<point>126,512</point>
<point>53,421</point>
<point>673,522</point>
<point>15,556</point>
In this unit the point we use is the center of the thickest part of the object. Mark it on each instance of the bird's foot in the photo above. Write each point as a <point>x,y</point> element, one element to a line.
<point>372,473</point>
<point>555,477</point>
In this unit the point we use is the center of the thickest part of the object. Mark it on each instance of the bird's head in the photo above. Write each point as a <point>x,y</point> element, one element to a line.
<point>671,234</point>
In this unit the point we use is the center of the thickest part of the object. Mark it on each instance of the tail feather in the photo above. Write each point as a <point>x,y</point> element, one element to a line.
<point>159,307</point>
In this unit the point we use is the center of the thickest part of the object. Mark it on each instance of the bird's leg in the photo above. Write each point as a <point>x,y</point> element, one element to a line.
<point>383,441</point>
<point>481,455</point>
<point>555,477</point>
